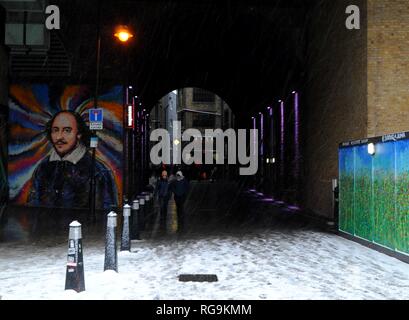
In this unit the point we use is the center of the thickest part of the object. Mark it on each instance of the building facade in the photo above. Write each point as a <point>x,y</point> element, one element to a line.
<point>202,109</point>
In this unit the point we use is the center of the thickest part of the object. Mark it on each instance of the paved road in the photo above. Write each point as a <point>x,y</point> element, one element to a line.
<point>210,208</point>
<point>213,208</point>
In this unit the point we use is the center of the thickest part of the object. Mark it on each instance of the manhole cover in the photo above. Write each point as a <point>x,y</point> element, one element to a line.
<point>198,278</point>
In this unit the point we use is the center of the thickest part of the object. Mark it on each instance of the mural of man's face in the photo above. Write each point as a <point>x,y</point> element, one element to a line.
<point>64,133</point>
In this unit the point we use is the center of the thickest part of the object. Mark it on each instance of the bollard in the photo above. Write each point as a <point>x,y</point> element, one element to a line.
<point>141,215</point>
<point>125,240</point>
<point>74,278</point>
<point>111,256</point>
<point>135,221</point>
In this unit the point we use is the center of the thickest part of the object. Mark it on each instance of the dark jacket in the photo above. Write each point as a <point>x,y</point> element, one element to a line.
<point>162,188</point>
<point>180,188</point>
<point>66,185</point>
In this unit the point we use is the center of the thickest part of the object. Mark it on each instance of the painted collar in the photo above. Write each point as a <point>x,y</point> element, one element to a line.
<point>73,157</point>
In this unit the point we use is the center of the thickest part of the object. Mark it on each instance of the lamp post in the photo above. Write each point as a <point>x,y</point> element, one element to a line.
<point>123,33</point>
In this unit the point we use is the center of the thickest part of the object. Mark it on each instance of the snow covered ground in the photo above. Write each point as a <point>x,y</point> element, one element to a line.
<point>262,264</point>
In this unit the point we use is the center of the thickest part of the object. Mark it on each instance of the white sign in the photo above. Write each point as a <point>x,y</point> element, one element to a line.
<point>94,142</point>
<point>96,126</point>
<point>130,116</point>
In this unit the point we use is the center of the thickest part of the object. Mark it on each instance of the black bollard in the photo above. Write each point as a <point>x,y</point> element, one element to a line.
<point>111,256</point>
<point>125,240</point>
<point>142,213</point>
<point>74,278</point>
<point>135,221</point>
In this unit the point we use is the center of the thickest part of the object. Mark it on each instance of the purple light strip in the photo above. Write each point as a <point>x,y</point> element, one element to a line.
<point>272,135</point>
<point>282,138</point>
<point>294,208</point>
<point>262,134</point>
<point>254,135</point>
<point>297,136</point>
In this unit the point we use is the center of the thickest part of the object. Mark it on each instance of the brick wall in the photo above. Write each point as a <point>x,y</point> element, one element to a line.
<point>388,66</point>
<point>335,98</point>
<point>339,107</point>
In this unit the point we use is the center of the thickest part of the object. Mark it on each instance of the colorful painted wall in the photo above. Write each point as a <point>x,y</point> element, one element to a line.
<point>31,107</point>
<point>374,191</point>
<point>3,173</point>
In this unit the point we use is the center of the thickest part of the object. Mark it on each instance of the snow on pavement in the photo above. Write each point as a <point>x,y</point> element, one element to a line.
<point>260,265</point>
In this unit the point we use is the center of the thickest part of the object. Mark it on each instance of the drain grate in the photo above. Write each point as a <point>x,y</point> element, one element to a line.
<point>198,278</point>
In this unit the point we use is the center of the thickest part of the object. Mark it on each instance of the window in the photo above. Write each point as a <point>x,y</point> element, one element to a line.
<point>203,120</point>
<point>26,29</point>
<point>201,95</point>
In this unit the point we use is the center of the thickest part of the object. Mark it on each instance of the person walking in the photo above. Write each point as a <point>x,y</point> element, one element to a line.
<point>180,189</point>
<point>152,182</point>
<point>162,193</point>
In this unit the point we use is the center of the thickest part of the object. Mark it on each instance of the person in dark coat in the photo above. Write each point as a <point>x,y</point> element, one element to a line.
<point>162,193</point>
<point>180,189</point>
<point>63,179</point>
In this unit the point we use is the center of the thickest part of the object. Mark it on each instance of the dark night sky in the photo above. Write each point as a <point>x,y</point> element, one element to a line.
<point>248,52</point>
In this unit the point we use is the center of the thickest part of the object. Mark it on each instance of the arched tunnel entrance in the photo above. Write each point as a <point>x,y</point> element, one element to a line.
<point>78,111</point>
<point>250,57</point>
<point>217,184</point>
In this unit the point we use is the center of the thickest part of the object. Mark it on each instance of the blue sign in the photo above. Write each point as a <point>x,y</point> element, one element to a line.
<point>96,115</point>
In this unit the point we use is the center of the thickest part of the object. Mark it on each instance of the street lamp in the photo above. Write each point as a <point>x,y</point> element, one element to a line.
<point>123,33</point>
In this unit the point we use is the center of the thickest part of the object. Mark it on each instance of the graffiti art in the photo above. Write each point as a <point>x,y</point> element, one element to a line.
<point>50,161</point>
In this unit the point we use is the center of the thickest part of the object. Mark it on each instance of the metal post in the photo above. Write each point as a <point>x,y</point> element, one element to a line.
<point>141,212</point>
<point>335,203</point>
<point>224,144</point>
<point>74,278</point>
<point>135,221</point>
<point>111,257</point>
<point>125,240</point>
<point>93,184</point>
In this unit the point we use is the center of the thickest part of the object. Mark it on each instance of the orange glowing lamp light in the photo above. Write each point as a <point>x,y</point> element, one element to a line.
<point>123,34</point>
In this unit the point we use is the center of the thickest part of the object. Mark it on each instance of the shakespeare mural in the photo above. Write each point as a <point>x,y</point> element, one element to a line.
<point>50,161</point>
